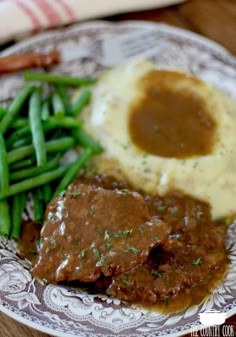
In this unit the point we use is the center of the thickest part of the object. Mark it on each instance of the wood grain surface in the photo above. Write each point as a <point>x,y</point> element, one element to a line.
<point>215,19</point>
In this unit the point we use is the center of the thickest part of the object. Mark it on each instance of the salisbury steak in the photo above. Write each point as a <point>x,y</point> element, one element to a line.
<point>192,259</point>
<point>91,230</point>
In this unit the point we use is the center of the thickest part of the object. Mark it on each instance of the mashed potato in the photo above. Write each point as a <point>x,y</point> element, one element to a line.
<point>194,152</point>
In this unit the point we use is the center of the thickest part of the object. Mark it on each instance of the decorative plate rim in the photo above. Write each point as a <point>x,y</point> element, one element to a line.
<point>140,24</point>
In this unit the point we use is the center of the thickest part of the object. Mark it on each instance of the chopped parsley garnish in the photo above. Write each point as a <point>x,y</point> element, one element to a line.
<point>124,280</point>
<point>184,162</point>
<point>100,231</point>
<point>108,245</point>
<point>156,273</point>
<point>155,238</point>
<point>96,252</point>
<point>45,281</point>
<point>33,252</point>
<point>133,250</point>
<point>47,250</point>
<point>146,170</point>
<point>199,214</point>
<point>116,235</point>
<point>124,190</point>
<point>92,210</point>
<point>100,262</point>
<point>140,230</point>
<point>161,208</point>
<point>74,194</point>
<point>166,300</point>
<point>53,240</point>
<point>198,261</point>
<point>83,253</point>
<point>61,249</point>
<point>127,232</point>
<point>175,212</point>
<point>67,215</point>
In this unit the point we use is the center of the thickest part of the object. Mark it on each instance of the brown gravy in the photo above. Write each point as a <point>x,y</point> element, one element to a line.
<point>168,121</point>
<point>178,274</point>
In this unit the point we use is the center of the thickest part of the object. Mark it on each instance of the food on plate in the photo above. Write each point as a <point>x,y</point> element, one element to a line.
<point>165,130</point>
<point>141,221</point>
<point>94,229</point>
<point>36,130</point>
<point>139,248</point>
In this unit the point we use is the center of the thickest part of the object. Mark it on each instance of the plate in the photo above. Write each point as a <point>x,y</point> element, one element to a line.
<point>67,312</point>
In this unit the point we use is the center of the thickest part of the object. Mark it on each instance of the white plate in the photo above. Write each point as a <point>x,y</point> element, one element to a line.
<point>65,312</point>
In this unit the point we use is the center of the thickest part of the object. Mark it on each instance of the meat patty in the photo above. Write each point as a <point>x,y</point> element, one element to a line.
<point>93,229</point>
<point>193,255</point>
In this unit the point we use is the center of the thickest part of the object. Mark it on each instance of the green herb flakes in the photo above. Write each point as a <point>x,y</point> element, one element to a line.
<point>140,230</point>
<point>133,250</point>
<point>175,212</point>
<point>96,252</point>
<point>92,210</point>
<point>53,240</point>
<point>83,253</point>
<point>74,194</point>
<point>116,235</point>
<point>127,232</point>
<point>155,238</point>
<point>156,273</point>
<point>161,208</point>
<point>61,249</point>
<point>198,261</point>
<point>100,231</point>
<point>108,245</point>
<point>124,280</point>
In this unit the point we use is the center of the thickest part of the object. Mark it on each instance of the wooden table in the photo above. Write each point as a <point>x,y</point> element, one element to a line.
<point>215,19</point>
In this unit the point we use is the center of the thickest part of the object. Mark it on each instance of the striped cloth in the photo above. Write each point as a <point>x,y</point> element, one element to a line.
<point>18,17</point>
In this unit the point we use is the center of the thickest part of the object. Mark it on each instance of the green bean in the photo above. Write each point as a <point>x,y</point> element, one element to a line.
<point>61,90</point>
<point>86,141</point>
<point>5,220</point>
<point>31,183</point>
<point>14,109</point>
<point>37,129</point>
<point>4,170</point>
<point>57,79</point>
<point>73,171</point>
<point>66,122</point>
<point>2,112</point>
<point>80,102</point>
<point>20,123</point>
<point>58,145</point>
<point>57,106</point>
<point>38,206</point>
<point>34,171</point>
<point>19,133</point>
<point>45,114</point>
<point>51,124</point>
<point>18,206</point>
<point>47,192</point>
<point>22,164</point>
<point>22,142</point>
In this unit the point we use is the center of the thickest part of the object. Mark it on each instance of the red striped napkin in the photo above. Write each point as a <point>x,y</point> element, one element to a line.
<point>19,17</point>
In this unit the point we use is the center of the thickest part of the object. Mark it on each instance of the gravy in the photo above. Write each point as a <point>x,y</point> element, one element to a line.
<point>170,122</point>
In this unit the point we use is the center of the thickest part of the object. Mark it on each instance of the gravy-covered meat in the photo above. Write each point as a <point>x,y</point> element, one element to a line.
<point>193,257</point>
<point>93,230</point>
